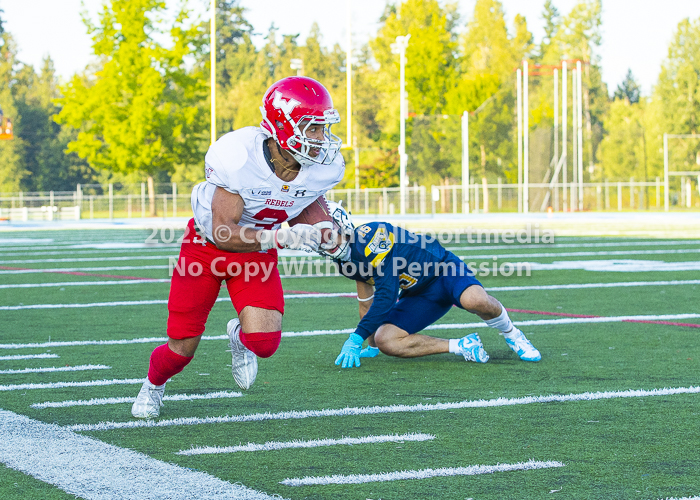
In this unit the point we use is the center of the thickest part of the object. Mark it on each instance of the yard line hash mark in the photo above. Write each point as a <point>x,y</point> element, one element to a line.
<point>374,410</point>
<point>114,401</point>
<point>51,369</point>
<point>472,470</point>
<point>315,443</point>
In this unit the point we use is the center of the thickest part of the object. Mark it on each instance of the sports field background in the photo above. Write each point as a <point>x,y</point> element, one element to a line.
<point>636,333</point>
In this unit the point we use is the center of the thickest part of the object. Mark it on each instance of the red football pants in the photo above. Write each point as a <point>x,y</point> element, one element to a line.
<point>252,279</point>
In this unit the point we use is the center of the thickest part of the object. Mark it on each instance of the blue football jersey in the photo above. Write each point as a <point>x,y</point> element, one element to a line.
<point>398,263</point>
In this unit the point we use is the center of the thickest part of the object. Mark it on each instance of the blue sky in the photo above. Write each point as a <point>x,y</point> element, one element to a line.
<point>633,37</point>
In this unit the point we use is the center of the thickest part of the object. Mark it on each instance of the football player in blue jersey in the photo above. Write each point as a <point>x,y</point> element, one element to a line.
<point>388,262</point>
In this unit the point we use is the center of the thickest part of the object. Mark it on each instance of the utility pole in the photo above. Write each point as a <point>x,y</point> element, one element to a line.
<point>348,74</point>
<point>213,70</point>
<point>400,48</point>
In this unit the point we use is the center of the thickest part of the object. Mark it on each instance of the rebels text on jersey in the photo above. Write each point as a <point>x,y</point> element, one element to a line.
<point>237,164</point>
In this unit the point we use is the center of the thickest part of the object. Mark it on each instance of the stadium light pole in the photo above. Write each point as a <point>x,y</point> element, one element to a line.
<point>666,190</point>
<point>579,118</point>
<point>465,162</point>
<point>574,140</point>
<point>348,74</point>
<point>564,131</point>
<point>400,48</point>
<point>519,98</point>
<point>526,141</point>
<point>213,70</point>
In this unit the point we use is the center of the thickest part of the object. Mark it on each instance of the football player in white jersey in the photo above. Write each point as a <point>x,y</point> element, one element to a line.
<point>256,178</point>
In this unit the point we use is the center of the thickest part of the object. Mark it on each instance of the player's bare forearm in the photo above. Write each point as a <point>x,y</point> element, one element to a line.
<point>226,210</point>
<point>235,238</point>
<point>365,292</point>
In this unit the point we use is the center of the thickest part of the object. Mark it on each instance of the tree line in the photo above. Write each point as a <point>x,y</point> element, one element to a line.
<point>140,112</point>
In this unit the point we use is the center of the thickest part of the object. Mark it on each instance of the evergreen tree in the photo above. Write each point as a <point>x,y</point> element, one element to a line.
<point>629,89</point>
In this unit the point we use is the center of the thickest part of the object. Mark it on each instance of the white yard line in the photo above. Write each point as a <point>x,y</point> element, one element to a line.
<point>28,356</point>
<point>374,410</point>
<point>471,470</point>
<point>85,283</point>
<point>310,333</point>
<point>158,302</point>
<point>593,285</point>
<point>575,245</point>
<point>61,385</point>
<point>51,369</point>
<point>114,401</point>
<point>90,469</point>
<point>311,295</point>
<point>72,251</point>
<point>81,269</point>
<point>315,443</point>
<point>478,256</point>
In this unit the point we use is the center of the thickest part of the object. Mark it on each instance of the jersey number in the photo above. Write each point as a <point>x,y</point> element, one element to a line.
<point>266,214</point>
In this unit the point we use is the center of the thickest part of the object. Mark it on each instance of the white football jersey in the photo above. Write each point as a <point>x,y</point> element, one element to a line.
<point>236,163</point>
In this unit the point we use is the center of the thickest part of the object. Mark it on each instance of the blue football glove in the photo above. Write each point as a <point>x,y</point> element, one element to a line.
<point>369,352</point>
<point>350,353</point>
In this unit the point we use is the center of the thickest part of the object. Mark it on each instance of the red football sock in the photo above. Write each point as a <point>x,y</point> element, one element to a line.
<point>262,344</point>
<point>165,363</point>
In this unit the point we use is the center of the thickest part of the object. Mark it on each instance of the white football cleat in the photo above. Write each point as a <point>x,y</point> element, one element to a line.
<point>472,349</point>
<point>521,346</point>
<point>244,363</point>
<point>149,401</point>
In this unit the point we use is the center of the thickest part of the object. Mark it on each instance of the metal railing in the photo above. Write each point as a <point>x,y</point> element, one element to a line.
<point>483,197</point>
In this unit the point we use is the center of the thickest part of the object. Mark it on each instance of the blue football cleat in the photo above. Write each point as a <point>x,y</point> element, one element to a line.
<point>522,347</point>
<point>472,349</point>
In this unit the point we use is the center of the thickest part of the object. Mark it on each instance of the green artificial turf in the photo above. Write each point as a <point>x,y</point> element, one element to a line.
<point>627,448</point>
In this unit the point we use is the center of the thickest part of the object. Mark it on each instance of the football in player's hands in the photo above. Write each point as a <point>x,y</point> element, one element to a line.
<point>317,214</point>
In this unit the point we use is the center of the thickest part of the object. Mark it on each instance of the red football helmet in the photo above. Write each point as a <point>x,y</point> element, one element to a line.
<point>292,109</point>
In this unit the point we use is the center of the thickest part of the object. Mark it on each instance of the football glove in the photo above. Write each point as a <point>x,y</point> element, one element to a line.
<point>369,352</point>
<point>299,237</point>
<point>350,353</point>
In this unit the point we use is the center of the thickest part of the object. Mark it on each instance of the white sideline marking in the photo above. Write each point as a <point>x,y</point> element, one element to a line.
<point>579,254</point>
<point>114,401</point>
<point>60,385</point>
<point>612,266</point>
<point>306,295</point>
<point>683,498</point>
<point>309,333</point>
<point>373,410</point>
<point>50,369</point>
<point>315,443</point>
<point>15,241</point>
<point>88,259</point>
<point>86,283</point>
<point>472,470</point>
<point>29,356</point>
<point>90,469</point>
<point>578,245</point>
<point>593,285</point>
